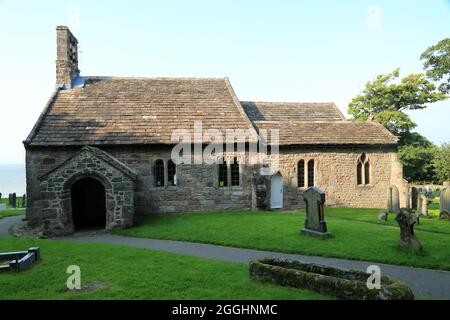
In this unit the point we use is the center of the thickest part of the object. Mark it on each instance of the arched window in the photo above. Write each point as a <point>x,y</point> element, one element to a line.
<point>234,168</point>
<point>311,173</point>
<point>223,174</point>
<point>359,176</point>
<point>363,170</point>
<point>171,173</point>
<point>367,172</point>
<point>159,173</point>
<point>301,173</point>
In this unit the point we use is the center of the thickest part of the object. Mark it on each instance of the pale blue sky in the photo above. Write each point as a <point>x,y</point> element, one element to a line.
<point>271,50</point>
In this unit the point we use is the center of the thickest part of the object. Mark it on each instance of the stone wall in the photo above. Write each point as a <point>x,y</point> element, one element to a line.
<point>197,188</point>
<point>51,207</point>
<point>335,174</point>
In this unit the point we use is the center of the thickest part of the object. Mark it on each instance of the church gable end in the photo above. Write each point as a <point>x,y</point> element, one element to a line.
<point>56,188</point>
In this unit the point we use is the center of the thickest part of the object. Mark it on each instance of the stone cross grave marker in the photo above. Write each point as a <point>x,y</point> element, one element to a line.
<point>444,211</point>
<point>315,220</point>
<point>406,220</point>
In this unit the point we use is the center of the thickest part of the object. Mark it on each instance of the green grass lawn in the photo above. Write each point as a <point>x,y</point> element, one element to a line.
<point>371,215</point>
<point>359,237</point>
<point>15,212</point>
<point>121,272</point>
<point>9,210</point>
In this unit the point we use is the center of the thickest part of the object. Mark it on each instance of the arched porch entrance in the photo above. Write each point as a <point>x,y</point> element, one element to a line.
<point>88,204</point>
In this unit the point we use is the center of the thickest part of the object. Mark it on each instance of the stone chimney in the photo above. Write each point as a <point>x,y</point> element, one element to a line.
<point>66,57</point>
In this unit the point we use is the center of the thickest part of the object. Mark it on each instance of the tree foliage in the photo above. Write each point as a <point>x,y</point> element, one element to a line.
<point>412,92</point>
<point>385,99</point>
<point>418,162</point>
<point>396,122</point>
<point>441,163</point>
<point>437,64</point>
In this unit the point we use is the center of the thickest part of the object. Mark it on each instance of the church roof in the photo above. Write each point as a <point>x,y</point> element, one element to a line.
<point>290,111</point>
<point>315,124</point>
<point>118,111</point>
<point>329,132</point>
<point>128,111</point>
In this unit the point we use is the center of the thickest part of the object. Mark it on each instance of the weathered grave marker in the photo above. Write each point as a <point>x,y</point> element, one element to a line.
<point>407,198</point>
<point>406,220</point>
<point>393,200</point>
<point>414,196</point>
<point>383,215</point>
<point>444,210</point>
<point>14,200</point>
<point>315,220</point>
<point>423,209</point>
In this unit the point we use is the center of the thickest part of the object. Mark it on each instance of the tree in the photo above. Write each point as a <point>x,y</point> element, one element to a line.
<point>385,100</point>
<point>437,63</point>
<point>442,163</point>
<point>418,162</point>
<point>397,122</point>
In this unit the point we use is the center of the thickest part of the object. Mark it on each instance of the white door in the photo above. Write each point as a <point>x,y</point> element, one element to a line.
<point>276,192</point>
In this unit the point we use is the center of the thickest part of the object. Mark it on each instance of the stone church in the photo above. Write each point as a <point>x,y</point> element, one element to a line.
<point>100,153</point>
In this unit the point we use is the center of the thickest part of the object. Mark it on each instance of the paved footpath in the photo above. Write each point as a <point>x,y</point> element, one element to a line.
<point>424,282</point>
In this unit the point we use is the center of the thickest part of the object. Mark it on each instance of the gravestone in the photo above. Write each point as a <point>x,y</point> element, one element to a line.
<point>419,202</point>
<point>10,199</point>
<point>438,192</point>
<point>14,200</point>
<point>407,198</point>
<point>406,220</point>
<point>2,206</point>
<point>444,210</point>
<point>315,220</point>
<point>24,201</point>
<point>383,215</point>
<point>0,196</point>
<point>394,200</point>
<point>423,209</point>
<point>414,196</point>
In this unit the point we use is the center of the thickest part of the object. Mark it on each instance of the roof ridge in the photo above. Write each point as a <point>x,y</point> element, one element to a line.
<point>287,102</point>
<point>306,121</point>
<point>152,78</point>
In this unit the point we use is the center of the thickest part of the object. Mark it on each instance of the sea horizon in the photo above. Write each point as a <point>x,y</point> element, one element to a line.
<point>12,179</point>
